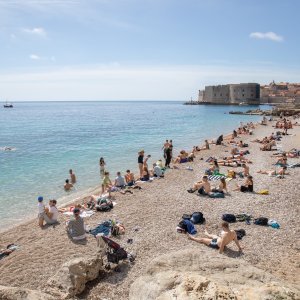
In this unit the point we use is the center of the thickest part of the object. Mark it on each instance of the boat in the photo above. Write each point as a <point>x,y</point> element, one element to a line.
<point>243,104</point>
<point>8,105</point>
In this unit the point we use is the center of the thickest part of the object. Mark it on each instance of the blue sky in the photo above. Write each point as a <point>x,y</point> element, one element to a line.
<point>143,49</point>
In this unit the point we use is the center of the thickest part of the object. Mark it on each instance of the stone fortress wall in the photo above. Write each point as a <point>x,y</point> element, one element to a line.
<point>248,93</point>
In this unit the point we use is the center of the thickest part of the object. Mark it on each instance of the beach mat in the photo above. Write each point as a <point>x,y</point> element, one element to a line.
<point>215,177</point>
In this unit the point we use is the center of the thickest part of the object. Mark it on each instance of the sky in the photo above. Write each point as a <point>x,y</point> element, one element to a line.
<point>143,49</point>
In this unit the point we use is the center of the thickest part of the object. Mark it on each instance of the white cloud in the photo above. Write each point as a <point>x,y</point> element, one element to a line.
<point>34,57</point>
<point>38,31</point>
<point>272,36</point>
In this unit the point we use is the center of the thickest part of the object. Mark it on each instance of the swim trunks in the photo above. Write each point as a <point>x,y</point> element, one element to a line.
<point>214,244</point>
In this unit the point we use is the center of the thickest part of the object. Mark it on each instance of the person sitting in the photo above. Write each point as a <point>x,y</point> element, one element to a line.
<point>282,161</point>
<point>222,187</point>
<point>67,185</point>
<point>75,227</point>
<point>219,140</point>
<point>129,177</point>
<point>157,171</point>
<point>215,169</point>
<point>51,213</point>
<point>247,186</point>
<point>203,186</point>
<point>246,170</point>
<point>268,146</point>
<point>145,174</point>
<point>219,242</point>
<point>280,172</point>
<point>120,181</point>
<point>182,157</point>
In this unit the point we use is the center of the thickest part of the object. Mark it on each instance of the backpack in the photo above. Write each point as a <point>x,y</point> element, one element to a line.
<point>240,233</point>
<point>261,221</point>
<point>197,218</point>
<point>229,218</point>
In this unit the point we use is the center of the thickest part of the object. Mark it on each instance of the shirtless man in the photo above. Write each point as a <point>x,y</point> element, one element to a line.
<point>216,242</point>
<point>67,185</point>
<point>72,176</point>
<point>203,184</point>
<point>246,170</point>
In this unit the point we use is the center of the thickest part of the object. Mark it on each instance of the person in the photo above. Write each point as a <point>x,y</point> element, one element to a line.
<point>246,170</point>
<point>203,186</point>
<point>67,185</point>
<point>75,227</point>
<point>102,165</point>
<point>247,186</point>
<point>222,187</point>
<point>41,211</point>
<point>72,176</point>
<point>51,213</point>
<point>106,183</point>
<point>215,169</point>
<point>129,177</point>
<point>141,162</point>
<point>282,171</point>
<point>219,242</point>
<point>120,181</point>
<point>168,157</point>
<point>206,145</point>
<point>219,140</point>
<point>157,171</point>
<point>165,146</point>
<point>145,174</point>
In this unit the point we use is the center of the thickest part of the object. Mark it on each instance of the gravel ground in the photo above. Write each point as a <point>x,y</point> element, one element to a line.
<point>156,210</point>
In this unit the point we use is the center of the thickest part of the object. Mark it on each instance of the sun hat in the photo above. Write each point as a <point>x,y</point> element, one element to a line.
<point>40,198</point>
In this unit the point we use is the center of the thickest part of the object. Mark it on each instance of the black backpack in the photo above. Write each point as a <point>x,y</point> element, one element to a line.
<point>229,218</point>
<point>197,218</point>
<point>261,221</point>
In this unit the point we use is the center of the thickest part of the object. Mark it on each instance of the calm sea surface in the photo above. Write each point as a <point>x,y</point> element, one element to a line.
<point>52,137</point>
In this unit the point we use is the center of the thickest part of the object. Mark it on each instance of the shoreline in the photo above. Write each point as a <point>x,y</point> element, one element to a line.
<point>87,191</point>
<point>156,210</point>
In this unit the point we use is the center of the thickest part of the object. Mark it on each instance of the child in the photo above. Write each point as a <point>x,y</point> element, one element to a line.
<point>41,208</point>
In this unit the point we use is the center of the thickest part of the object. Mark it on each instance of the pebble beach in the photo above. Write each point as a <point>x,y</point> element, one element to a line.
<point>150,216</point>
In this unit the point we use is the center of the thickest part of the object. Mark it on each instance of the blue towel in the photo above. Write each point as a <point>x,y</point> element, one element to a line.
<point>190,226</point>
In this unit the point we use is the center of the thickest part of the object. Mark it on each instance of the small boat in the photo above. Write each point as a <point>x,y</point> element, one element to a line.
<point>8,105</point>
<point>243,104</point>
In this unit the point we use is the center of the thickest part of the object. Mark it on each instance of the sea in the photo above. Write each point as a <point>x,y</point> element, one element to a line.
<point>49,138</point>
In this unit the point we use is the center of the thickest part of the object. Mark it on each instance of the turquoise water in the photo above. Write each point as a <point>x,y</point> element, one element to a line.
<point>52,137</point>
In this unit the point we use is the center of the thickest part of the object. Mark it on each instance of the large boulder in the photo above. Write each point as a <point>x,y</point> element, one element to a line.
<point>71,278</point>
<point>14,293</point>
<point>199,274</point>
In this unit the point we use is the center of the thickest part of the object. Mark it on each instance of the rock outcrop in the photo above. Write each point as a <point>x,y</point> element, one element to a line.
<point>71,278</point>
<point>191,275</point>
<point>14,293</point>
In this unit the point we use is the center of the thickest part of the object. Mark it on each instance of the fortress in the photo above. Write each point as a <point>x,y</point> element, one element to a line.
<point>242,93</point>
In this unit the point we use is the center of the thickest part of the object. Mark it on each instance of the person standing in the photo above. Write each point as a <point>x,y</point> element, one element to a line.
<point>168,157</point>
<point>102,165</point>
<point>72,176</point>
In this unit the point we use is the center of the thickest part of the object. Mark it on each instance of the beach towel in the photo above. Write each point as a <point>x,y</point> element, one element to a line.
<point>83,214</point>
<point>216,177</point>
<point>293,165</point>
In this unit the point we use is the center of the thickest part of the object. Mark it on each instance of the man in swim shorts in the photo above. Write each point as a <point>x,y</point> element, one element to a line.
<point>219,242</point>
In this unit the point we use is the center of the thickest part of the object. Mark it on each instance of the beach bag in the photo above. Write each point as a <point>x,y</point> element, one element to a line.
<point>262,221</point>
<point>240,233</point>
<point>208,172</point>
<point>231,174</point>
<point>197,218</point>
<point>216,195</point>
<point>229,218</point>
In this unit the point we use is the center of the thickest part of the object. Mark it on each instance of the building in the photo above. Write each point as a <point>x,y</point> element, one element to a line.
<point>231,94</point>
